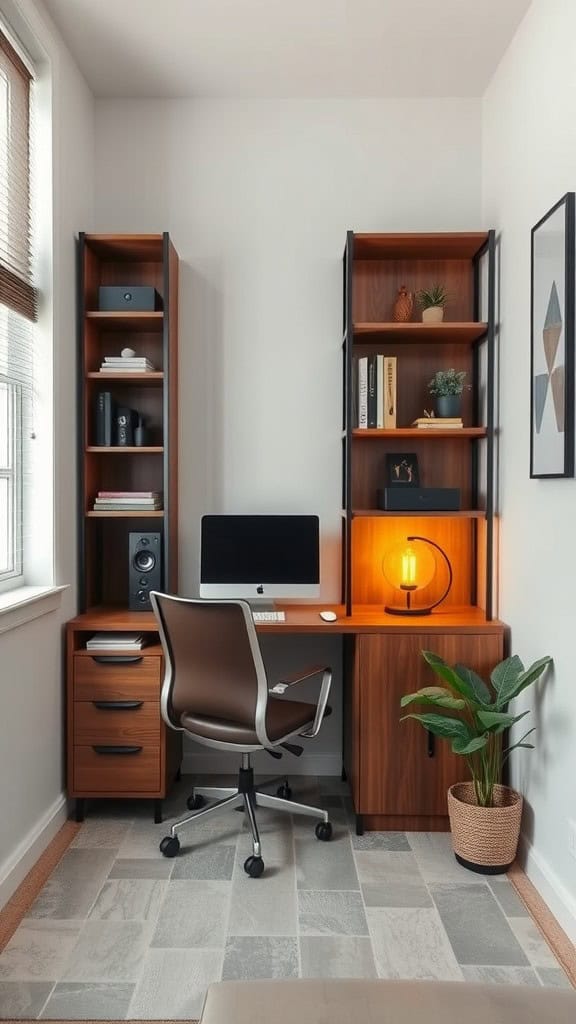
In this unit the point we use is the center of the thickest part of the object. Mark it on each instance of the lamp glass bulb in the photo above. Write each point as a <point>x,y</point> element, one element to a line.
<point>409,566</point>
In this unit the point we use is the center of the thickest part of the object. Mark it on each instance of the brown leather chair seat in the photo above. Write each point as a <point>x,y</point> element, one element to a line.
<point>282,718</point>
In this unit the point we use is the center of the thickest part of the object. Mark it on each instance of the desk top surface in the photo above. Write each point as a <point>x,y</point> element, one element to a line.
<point>305,618</point>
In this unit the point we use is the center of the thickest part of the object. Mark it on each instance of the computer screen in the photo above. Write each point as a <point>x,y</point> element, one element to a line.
<point>259,557</point>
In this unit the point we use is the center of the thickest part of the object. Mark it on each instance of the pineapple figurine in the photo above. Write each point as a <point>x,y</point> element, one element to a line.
<point>402,312</point>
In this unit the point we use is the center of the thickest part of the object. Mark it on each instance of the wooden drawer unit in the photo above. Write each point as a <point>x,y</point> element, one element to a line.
<point>118,744</point>
<point>117,677</point>
<point>113,721</point>
<point>121,768</point>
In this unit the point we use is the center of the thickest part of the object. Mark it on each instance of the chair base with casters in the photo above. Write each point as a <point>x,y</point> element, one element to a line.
<point>245,796</point>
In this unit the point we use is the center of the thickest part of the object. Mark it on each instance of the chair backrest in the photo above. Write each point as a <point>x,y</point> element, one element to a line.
<point>213,662</point>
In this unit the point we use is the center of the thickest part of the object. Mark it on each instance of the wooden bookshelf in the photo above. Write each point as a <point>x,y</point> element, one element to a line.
<point>397,775</point>
<point>105,535</point>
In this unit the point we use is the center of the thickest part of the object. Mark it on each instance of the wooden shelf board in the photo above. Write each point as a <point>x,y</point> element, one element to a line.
<point>461,514</point>
<point>119,449</point>
<point>157,514</point>
<point>456,245</point>
<point>418,332</point>
<point>127,247</point>
<point>114,617</point>
<point>459,433</point>
<point>127,320</point>
<point>150,377</point>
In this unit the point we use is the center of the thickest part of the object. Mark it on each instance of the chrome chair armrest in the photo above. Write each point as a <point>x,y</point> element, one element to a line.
<point>322,698</point>
<point>298,677</point>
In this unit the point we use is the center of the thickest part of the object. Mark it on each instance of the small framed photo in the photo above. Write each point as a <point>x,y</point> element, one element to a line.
<point>402,470</point>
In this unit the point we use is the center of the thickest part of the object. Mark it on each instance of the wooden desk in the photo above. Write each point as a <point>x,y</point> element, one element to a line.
<point>398,775</point>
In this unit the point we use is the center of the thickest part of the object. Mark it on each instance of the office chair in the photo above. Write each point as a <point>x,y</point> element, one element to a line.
<point>216,690</point>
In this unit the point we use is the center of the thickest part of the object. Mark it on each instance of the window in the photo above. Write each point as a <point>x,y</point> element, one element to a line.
<point>18,309</point>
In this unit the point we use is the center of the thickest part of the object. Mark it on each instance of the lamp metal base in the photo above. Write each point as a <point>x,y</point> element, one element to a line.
<point>396,610</point>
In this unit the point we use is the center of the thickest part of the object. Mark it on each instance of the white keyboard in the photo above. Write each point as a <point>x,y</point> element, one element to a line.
<point>269,616</point>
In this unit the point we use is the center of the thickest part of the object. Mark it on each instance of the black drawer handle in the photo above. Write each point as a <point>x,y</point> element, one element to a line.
<point>117,705</point>
<point>116,750</point>
<point>116,659</point>
<point>431,745</point>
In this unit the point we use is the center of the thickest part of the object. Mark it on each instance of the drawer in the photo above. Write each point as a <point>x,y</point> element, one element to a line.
<point>116,722</point>
<point>136,770</point>
<point>116,677</point>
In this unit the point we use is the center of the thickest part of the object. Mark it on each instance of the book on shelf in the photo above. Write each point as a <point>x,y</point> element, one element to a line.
<point>129,494</point>
<point>379,391</point>
<point>390,366</point>
<point>104,419</point>
<point>116,642</point>
<point>438,422</point>
<point>123,364</point>
<point>372,396</point>
<point>374,391</point>
<point>124,506</point>
<point>363,392</point>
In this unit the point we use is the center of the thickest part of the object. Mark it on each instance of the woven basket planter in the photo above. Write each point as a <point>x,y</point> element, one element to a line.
<point>485,839</point>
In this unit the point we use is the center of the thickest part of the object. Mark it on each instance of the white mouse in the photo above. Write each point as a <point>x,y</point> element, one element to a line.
<point>328,616</point>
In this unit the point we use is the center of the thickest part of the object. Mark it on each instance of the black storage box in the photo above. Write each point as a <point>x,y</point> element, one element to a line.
<point>124,297</point>
<point>419,499</point>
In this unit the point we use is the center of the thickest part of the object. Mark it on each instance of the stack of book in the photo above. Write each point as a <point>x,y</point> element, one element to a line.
<point>128,501</point>
<point>126,364</point>
<point>374,392</point>
<point>438,422</point>
<point>116,642</point>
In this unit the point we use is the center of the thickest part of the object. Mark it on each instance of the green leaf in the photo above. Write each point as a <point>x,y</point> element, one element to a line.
<point>515,686</point>
<point>434,695</point>
<point>441,725</point>
<point>449,676</point>
<point>476,683</point>
<point>476,743</point>
<point>507,670</point>
<point>490,718</point>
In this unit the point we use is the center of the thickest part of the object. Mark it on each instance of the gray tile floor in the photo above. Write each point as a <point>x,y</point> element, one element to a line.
<point>120,932</point>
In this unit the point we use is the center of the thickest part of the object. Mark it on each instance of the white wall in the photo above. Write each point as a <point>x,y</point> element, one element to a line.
<point>31,656</point>
<point>258,196</point>
<point>529,162</point>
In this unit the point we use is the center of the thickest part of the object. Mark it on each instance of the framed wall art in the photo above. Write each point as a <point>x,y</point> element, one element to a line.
<point>552,342</point>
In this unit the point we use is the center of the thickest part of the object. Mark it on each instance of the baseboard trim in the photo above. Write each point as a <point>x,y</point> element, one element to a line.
<point>560,902</point>
<point>224,762</point>
<point>14,870</point>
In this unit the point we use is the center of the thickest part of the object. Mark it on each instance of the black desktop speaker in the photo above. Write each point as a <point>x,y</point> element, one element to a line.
<point>144,570</point>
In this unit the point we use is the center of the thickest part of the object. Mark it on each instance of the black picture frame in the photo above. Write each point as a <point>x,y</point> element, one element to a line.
<point>552,309</point>
<point>402,470</point>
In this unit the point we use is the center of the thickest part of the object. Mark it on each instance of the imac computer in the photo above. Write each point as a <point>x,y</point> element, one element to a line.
<point>260,558</point>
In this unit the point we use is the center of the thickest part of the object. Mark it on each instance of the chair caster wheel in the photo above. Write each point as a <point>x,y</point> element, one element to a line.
<point>323,831</point>
<point>284,792</point>
<point>170,846</point>
<point>194,803</point>
<point>254,866</point>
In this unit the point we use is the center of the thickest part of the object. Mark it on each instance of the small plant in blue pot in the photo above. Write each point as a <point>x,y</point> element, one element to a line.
<point>446,388</point>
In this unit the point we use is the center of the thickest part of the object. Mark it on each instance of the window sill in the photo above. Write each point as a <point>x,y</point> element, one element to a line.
<point>26,603</point>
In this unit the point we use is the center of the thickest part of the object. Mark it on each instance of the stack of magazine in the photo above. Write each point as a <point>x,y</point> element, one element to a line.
<point>128,501</point>
<point>116,642</point>
<point>126,364</point>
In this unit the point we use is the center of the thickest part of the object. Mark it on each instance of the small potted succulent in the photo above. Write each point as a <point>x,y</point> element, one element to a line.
<point>474,717</point>
<point>432,301</point>
<point>446,388</point>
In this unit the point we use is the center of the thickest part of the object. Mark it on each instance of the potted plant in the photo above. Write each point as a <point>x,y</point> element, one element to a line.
<point>446,388</point>
<point>484,815</point>
<point>432,301</point>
